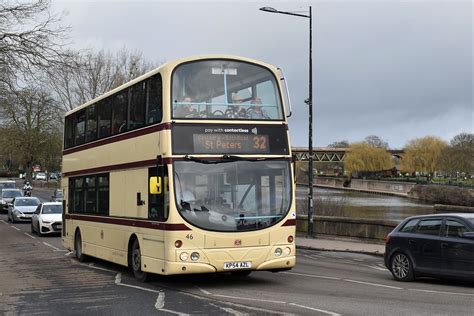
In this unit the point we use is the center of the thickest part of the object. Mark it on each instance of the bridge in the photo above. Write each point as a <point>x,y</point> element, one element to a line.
<point>327,154</point>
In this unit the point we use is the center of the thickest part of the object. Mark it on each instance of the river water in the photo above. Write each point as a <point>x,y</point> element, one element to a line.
<point>333,202</point>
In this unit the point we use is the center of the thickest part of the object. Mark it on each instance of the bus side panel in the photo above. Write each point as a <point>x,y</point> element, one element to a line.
<point>124,186</point>
<point>152,247</point>
<point>104,241</point>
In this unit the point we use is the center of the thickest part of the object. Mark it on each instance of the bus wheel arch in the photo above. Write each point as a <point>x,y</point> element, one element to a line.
<point>78,245</point>
<point>135,260</point>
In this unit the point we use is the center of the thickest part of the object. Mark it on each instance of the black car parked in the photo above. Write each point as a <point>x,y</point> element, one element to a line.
<point>432,245</point>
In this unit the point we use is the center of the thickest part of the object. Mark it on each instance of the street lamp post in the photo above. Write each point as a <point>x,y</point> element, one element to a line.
<point>309,102</point>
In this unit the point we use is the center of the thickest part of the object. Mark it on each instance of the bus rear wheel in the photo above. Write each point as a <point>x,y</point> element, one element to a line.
<point>137,263</point>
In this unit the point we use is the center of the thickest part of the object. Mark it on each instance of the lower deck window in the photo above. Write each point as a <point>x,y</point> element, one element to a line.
<point>89,194</point>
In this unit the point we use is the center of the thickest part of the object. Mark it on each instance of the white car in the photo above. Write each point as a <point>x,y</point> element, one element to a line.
<point>22,208</point>
<point>41,176</point>
<point>47,218</point>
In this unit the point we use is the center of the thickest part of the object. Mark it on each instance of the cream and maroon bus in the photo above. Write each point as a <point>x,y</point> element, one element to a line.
<point>186,169</point>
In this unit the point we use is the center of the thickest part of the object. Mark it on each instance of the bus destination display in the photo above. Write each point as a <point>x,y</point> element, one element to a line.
<point>225,139</point>
<point>230,143</point>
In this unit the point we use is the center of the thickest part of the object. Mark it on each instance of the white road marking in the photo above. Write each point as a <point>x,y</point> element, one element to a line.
<point>160,301</point>
<point>258,309</point>
<point>68,254</point>
<point>229,310</point>
<point>118,281</point>
<point>376,267</point>
<point>250,299</point>
<point>441,292</point>
<point>91,265</point>
<point>3,222</point>
<point>374,284</point>
<point>118,278</point>
<point>16,228</point>
<point>316,309</point>
<point>51,246</point>
<point>30,236</point>
<point>312,276</point>
<point>173,312</point>
<point>203,290</point>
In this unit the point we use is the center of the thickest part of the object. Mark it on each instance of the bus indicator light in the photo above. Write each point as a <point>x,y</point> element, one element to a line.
<point>178,243</point>
<point>290,239</point>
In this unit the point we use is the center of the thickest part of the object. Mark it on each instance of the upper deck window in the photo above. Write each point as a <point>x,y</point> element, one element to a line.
<point>225,89</point>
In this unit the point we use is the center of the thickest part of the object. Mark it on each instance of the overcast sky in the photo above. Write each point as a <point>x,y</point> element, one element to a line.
<point>396,69</point>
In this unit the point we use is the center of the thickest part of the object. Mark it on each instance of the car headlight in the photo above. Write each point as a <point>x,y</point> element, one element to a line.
<point>17,212</point>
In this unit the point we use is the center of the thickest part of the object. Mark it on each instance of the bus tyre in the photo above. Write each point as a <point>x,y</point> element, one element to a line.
<point>137,263</point>
<point>78,247</point>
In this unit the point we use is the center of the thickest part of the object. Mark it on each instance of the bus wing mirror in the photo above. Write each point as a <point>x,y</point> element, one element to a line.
<point>155,185</point>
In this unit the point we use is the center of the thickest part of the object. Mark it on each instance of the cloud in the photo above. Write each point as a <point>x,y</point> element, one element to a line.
<point>397,69</point>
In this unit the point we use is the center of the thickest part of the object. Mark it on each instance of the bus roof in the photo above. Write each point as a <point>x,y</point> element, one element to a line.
<point>167,67</point>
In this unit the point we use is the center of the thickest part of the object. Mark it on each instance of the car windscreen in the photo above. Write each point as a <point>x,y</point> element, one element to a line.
<point>11,194</point>
<point>52,209</point>
<point>471,220</point>
<point>27,202</point>
<point>7,185</point>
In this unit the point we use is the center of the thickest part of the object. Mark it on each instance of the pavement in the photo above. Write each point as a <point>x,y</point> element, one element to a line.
<point>324,244</point>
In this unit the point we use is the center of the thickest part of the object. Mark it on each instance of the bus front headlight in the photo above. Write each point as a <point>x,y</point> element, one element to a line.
<point>183,256</point>
<point>287,251</point>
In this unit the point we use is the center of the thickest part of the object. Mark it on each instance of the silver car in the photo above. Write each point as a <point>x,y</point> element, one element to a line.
<point>47,218</point>
<point>22,209</point>
<point>7,196</point>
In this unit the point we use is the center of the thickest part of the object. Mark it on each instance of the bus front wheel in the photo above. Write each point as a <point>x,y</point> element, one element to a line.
<point>137,263</point>
<point>78,247</point>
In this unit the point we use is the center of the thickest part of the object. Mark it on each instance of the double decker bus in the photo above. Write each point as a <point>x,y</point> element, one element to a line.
<point>186,169</point>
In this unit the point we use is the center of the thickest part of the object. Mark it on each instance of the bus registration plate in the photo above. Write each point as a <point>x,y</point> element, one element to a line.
<point>237,265</point>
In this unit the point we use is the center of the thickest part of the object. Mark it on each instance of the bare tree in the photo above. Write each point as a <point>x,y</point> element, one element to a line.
<point>375,141</point>
<point>91,74</point>
<point>30,38</point>
<point>459,156</point>
<point>339,144</point>
<point>33,124</point>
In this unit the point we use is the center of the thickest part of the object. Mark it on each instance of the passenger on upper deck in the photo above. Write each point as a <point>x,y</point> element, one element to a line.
<point>120,125</point>
<point>184,108</point>
<point>235,110</point>
<point>256,111</point>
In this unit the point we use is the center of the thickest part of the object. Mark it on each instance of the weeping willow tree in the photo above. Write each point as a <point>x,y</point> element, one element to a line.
<point>363,157</point>
<point>423,155</point>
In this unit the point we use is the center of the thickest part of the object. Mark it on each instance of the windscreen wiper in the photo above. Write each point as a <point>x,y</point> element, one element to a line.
<point>240,158</point>
<point>204,161</point>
